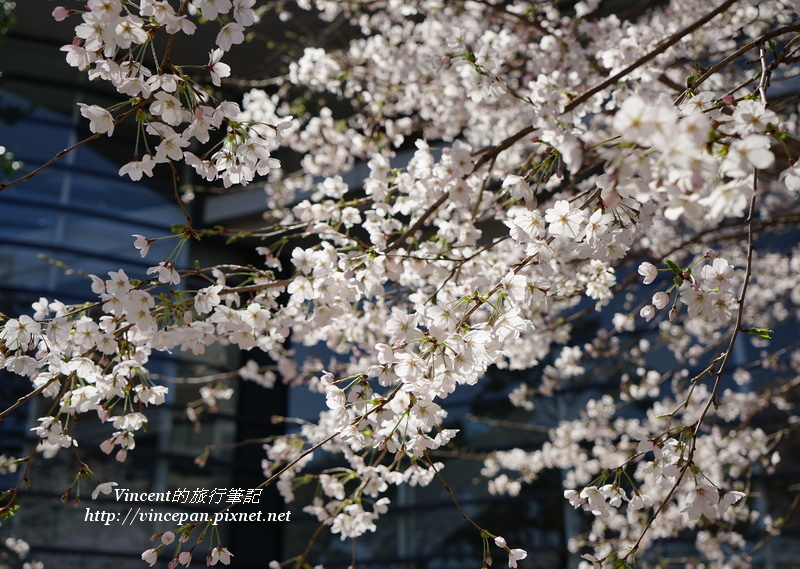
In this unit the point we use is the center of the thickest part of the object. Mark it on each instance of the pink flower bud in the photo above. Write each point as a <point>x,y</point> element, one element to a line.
<point>648,271</point>
<point>60,13</point>
<point>660,300</point>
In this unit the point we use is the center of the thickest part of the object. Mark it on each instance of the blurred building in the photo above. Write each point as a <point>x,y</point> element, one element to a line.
<point>77,217</point>
<point>74,218</point>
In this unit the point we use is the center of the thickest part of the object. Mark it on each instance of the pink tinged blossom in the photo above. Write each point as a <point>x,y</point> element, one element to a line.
<point>18,332</point>
<point>754,149</point>
<point>168,108</point>
<point>721,305</point>
<point>641,501</point>
<point>515,555</point>
<point>138,168</point>
<point>596,502</point>
<point>728,199</point>
<point>563,220</point>
<point>633,120</point>
<point>130,31</point>
<point>751,116</point>
<point>41,308</point>
<point>500,541</point>
<point>171,148</point>
<point>516,286</point>
<point>243,12</point>
<point>207,298</point>
<point>164,82</point>
<point>130,422</point>
<point>105,9</point>
<point>150,557</point>
<point>91,32</point>
<point>301,289</point>
<point>230,35</point>
<point>729,499</point>
<point>166,273</point>
<point>142,244</point>
<point>204,168</point>
<point>78,56</point>
<point>648,271</point>
<point>519,188</point>
<point>402,327</point>
<point>104,488</point>
<point>702,500</point>
<point>165,15</point>
<point>151,395</point>
<point>526,226</point>
<point>696,300</point>
<point>100,120</point>
<point>791,177</point>
<point>60,13</point>
<point>185,558</point>
<point>660,300</point>
<point>226,110</point>
<point>200,126</point>
<point>614,494</point>
<point>592,559</point>
<point>216,68</point>
<point>237,174</point>
<point>212,8</point>
<point>717,274</point>
<point>118,282</point>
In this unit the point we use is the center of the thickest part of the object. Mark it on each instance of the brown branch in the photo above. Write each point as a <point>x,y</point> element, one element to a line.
<point>75,146</point>
<point>738,53</point>
<point>25,398</point>
<point>491,151</point>
<point>712,400</point>
<point>662,47</point>
<point>417,224</point>
<point>451,493</point>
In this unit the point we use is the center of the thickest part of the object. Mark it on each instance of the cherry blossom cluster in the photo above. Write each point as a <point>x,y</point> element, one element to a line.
<point>175,113</point>
<point>565,194</point>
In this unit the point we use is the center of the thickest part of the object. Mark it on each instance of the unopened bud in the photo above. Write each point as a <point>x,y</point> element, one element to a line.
<point>60,13</point>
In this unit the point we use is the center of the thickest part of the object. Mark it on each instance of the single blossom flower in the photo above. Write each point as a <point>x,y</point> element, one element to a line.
<point>150,557</point>
<point>220,555</point>
<point>104,488</point>
<point>142,243</point>
<point>101,120</point>
<point>515,555</point>
<point>216,68</point>
<point>648,271</point>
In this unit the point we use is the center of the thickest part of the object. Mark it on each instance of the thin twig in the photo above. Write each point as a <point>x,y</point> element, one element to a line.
<point>451,493</point>
<point>738,53</point>
<point>25,398</point>
<point>490,151</point>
